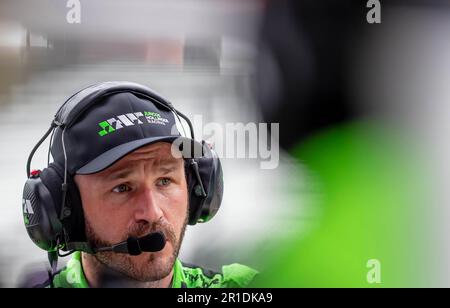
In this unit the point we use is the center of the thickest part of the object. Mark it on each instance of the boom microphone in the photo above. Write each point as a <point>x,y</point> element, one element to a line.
<point>134,246</point>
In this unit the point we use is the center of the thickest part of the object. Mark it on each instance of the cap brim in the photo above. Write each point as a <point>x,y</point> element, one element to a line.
<point>111,156</point>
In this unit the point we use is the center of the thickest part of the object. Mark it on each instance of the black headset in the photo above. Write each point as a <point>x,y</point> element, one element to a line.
<point>52,209</point>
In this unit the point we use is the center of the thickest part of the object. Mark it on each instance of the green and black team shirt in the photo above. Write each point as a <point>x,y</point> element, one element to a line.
<point>184,276</point>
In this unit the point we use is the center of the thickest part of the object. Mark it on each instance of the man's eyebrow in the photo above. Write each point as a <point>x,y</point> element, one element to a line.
<point>168,166</point>
<point>119,174</point>
<point>165,167</point>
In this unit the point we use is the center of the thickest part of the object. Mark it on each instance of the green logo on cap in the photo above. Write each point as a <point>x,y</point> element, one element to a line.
<point>154,115</point>
<point>130,119</point>
<point>106,128</point>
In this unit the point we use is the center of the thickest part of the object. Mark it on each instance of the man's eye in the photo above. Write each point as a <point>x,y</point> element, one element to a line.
<point>164,182</point>
<point>121,188</point>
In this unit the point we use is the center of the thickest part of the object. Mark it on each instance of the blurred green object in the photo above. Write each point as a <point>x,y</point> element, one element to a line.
<point>372,230</point>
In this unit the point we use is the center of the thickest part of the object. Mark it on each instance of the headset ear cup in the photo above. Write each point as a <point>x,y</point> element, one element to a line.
<point>40,208</point>
<point>73,216</point>
<point>202,209</point>
<point>42,201</point>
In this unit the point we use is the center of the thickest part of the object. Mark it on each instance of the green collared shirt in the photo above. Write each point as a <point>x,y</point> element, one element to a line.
<point>184,276</point>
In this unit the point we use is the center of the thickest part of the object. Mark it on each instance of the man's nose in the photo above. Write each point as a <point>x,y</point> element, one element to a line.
<point>147,208</point>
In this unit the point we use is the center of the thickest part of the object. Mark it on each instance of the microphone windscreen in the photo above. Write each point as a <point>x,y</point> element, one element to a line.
<point>133,246</point>
<point>152,242</point>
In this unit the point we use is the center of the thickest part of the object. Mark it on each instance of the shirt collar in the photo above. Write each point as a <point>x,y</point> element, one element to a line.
<point>73,275</point>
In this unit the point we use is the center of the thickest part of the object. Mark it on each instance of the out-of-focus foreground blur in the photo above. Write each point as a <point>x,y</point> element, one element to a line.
<point>363,110</point>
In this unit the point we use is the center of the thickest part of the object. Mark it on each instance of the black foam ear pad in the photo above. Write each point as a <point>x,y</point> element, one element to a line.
<point>203,208</point>
<point>40,203</point>
<point>75,225</point>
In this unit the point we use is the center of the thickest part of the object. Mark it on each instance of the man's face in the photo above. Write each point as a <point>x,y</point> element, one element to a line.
<point>144,192</point>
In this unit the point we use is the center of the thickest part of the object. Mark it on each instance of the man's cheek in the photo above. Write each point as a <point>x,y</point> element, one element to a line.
<point>108,232</point>
<point>108,226</point>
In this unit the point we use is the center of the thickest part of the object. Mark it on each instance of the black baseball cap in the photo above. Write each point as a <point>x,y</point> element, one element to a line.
<point>116,125</point>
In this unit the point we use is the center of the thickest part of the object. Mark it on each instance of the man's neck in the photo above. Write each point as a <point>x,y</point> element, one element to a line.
<point>99,275</point>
